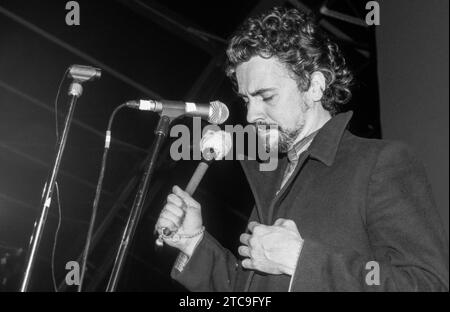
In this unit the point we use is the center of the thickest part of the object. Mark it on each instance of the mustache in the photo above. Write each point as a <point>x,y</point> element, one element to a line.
<point>265,126</point>
<point>261,125</point>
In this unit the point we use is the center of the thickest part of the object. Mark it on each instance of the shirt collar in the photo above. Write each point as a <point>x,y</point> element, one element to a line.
<point>294,153</point>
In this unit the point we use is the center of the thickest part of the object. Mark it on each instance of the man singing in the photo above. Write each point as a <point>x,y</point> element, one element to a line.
<point>336,207</point>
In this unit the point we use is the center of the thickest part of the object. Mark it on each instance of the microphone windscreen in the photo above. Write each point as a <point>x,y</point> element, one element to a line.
<point>218,113</point>
<point>219,141</point>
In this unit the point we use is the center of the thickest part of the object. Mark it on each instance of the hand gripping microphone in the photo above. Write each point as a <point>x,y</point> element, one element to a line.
<point>215,145</point>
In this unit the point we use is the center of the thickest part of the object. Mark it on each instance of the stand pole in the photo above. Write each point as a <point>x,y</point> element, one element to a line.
<point>75,92</point>
<point>161,132</point>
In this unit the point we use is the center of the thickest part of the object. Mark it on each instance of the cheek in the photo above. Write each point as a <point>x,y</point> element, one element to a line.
<point>287,108</point>
<point>274,116</point>
<point>293,109</point>
<point>287,117</point>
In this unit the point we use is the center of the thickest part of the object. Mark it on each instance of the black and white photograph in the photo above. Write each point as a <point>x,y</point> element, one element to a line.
<point>200,148</point>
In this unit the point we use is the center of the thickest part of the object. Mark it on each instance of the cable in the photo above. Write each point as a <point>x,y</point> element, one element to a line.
<point>56,238</point>
<point>97,194</point>
<point>56,104</point>
<point>55,241</point>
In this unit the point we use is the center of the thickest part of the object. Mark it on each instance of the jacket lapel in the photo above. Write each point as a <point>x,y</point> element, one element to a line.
<point>265,184</point>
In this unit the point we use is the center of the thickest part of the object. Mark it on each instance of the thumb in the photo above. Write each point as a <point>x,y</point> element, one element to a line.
<point>279,222</point>
<point>188,200</point>
<point>288,224</point>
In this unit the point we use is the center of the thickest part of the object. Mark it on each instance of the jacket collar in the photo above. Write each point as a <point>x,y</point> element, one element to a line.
<point>323,148</point>
<point>326,142</point>
<point>264,184</point>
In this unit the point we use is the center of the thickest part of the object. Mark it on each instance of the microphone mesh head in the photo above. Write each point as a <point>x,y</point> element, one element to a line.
<point>216,144</point>
<point>218,113</point>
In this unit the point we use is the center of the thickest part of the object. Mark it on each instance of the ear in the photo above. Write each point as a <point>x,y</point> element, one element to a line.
<point>317,86</point>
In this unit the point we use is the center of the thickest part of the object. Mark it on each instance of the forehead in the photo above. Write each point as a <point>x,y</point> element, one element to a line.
<point>259,73</point>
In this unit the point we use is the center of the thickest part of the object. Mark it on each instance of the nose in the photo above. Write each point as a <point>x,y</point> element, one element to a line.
<point>254,111</point>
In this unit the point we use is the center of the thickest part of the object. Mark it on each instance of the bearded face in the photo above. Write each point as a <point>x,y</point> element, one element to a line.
<point>274,102</point>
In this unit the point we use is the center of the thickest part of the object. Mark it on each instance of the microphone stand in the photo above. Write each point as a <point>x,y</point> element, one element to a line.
<point>161,132</point>
<point>75,91</point>
<point>79,74</point>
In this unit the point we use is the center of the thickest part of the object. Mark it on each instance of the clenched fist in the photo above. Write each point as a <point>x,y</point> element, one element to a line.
<point>181,215</point>
<point>271,249</point>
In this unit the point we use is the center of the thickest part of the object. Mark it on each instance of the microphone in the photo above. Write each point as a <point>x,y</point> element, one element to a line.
<point>214,112</point>
<point>84,73</point>
<point>215,145</point>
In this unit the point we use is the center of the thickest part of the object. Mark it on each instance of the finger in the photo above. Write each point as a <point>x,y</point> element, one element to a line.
<point>190,202</point>
<point>248,264</point>
<point>176,210</point>
<point>244,238</point>
<point>174,199</point>
<point>166,223</point>
<point>244,251</point>
<point>252,225</point>
<point>257,229</point>
<point>162,223</point>
<point>279,222</point>
<point>288,224</point>
<point>165,214</point>
<point>252,241</point>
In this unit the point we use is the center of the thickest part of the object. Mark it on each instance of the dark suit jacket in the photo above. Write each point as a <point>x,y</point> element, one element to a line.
<point>354,200</point>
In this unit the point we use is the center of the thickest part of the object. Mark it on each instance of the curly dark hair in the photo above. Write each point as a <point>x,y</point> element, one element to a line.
<point>297,41</point>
